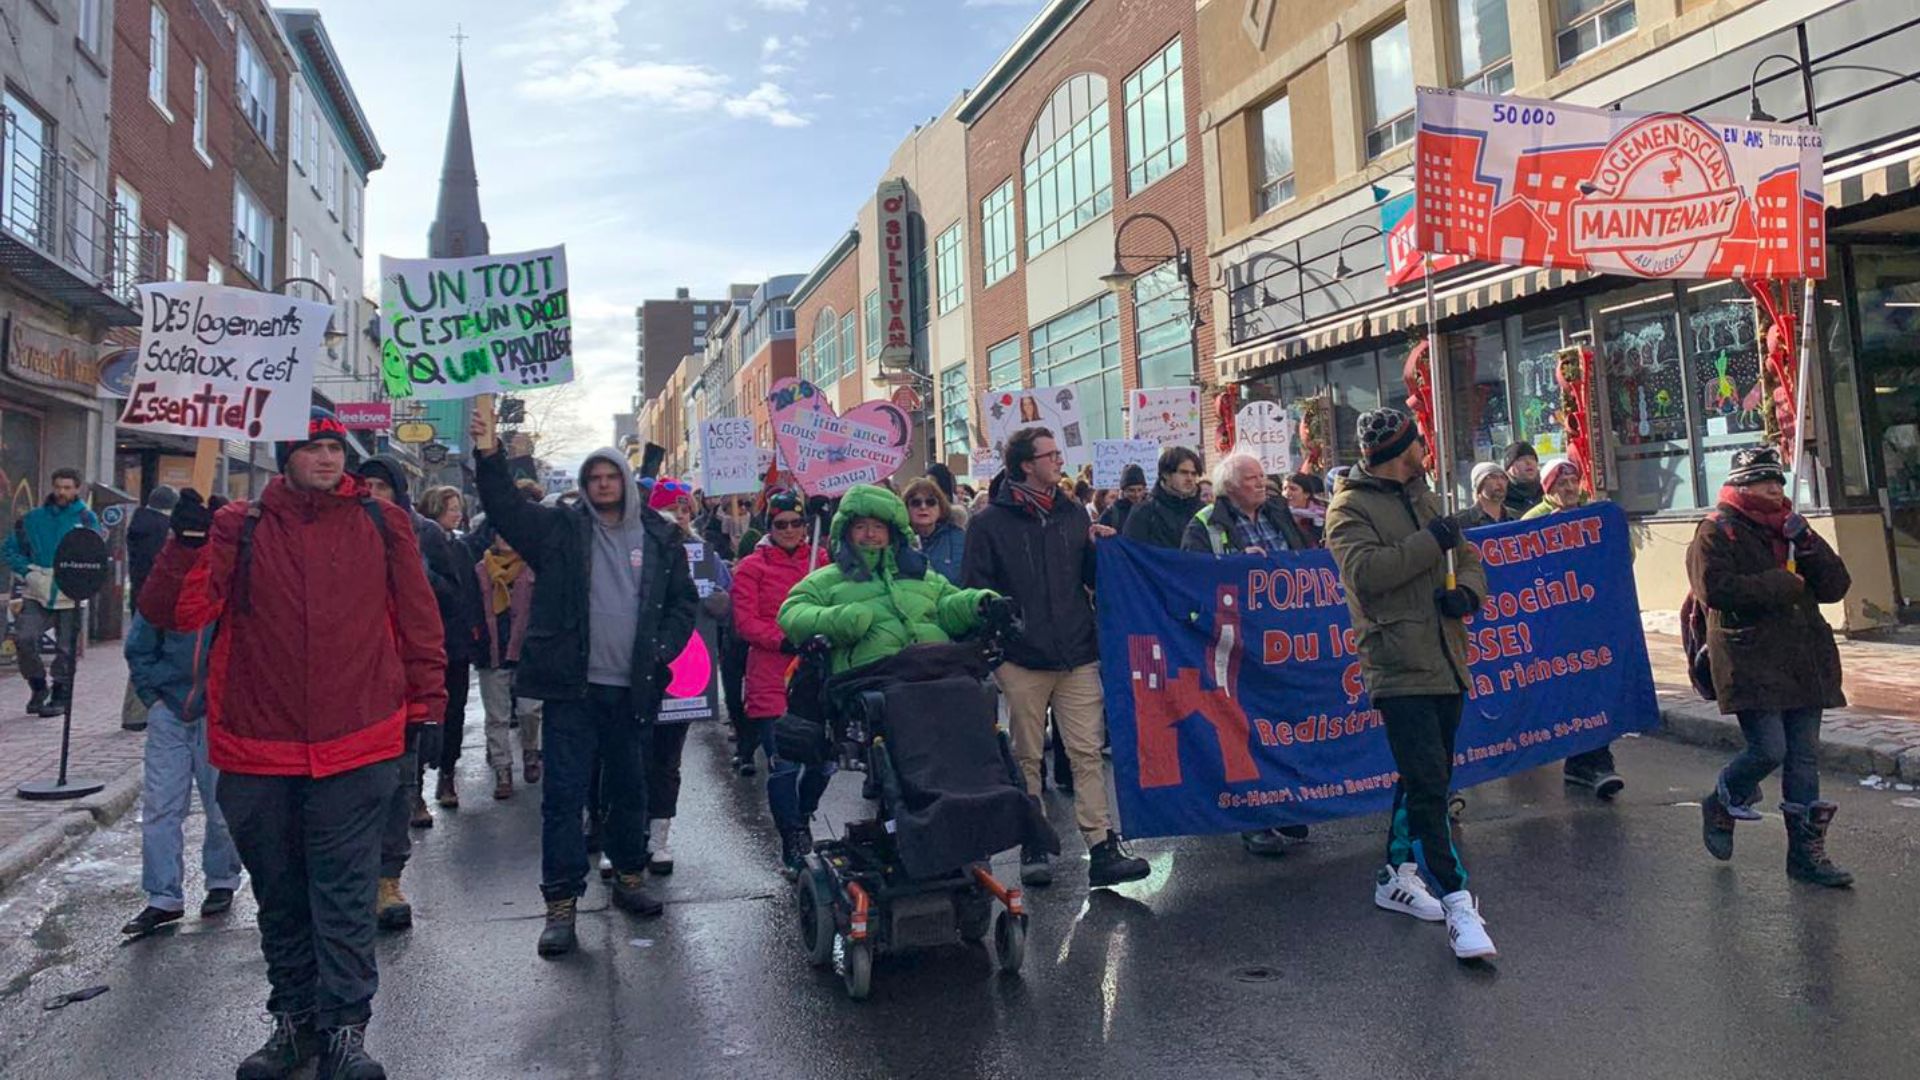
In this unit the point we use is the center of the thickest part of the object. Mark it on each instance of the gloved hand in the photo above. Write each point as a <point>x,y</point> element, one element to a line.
<point>1445,532</point>
<point>426,743</point>
<point>1455,603</point>
<point>190,519</point>
<point>788,648</point>
<point>1797,531</point>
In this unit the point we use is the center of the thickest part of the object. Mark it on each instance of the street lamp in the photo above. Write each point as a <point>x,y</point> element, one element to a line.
<point>1121,280</point>
<point>1340,268</point>
<point>1756,113</point>
<point>334,335</point>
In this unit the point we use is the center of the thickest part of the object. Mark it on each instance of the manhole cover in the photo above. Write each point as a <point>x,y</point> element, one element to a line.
<point>1254,973</point>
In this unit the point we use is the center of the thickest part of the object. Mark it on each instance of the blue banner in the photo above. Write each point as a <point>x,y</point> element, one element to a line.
<point>1234,697</point>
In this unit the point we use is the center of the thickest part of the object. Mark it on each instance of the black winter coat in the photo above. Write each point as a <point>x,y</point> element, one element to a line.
<point>146,535</point>
<point>1044,566</point>
<point>1162,520</point>
<point>555,541</point>
<point>450,572</point>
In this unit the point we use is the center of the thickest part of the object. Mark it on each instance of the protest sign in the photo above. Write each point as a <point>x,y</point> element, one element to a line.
<point>729,462</point>
<point>1405,261</point>
<point>827,453</point>
<point>1262,428</point>
<point>1234,693</point>
<point>1647,195</point>
<point>1112,456</point>
<point>692,692</point>
<point>983,463</point>
<point>1056,408</point>
<point>1166,417</point>
<point>224,363</point>
<point>456,328</point>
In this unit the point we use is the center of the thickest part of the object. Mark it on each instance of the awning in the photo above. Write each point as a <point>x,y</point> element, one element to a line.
<point>1889,170</point>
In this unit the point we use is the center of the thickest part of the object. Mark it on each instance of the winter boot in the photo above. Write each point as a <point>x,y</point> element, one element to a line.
<point>38,697</point>
<point>422,817</point>
<point>659,858</point>
<point>1402,889</point>
<point>292,1044</point>
<point>391,910</point>
<point>796,843</point>
<point>1716,823</point>
<point>530,766</point>
<point>1807,845</point>
<point>503,782</point>
<point>1465,928</point>
<point>57,699</point>
<point>346,1057</point>
<point>1036,867</point>
<point>630,894</point>
<point>557,937</point>
<point>444,793</point>
<point>1110,863</point>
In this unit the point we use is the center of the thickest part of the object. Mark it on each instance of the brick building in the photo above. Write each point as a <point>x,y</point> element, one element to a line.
<point>767,351</point>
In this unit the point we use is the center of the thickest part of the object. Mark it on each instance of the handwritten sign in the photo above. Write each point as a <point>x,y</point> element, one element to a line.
<point>456,328</point>
<point>1112,456</point>
<point>828,454</point>
<point>983,463</point>
<point>224,363</point>
<point>1264,430</point>
<point>1056,408</point>
<point>1166,417</point>
<point>728,459</point>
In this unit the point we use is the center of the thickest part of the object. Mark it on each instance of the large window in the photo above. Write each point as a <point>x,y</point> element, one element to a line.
<point>87,28</point>
<point>332,180</point>
<point>950,264</point>
<point>26,168</point>
<point>176,253</point>
<point>1162,334</point>
<point>849,345</point>
<point>296,253</point>
<point>1725,360</point>
<point>255,84</point>
<point>1482,47</point>
<point>1539,337</point>
<point>200,110</point>
<point>296,124</point>
<point>128,232</point>
<point>1389,90</point>
<point>1081,349</point>
<point>954,439</point>
<point>996,232</point>
<point>252,236</point>
<point>1068,166</point>
<point>873,324</point>
<point>1156,119</point>
<point>1584,25</point>
<point>157,58</point>
<point>826,346</point>
<point>1003,365</point>
<point>1276,153</point>
<point>1640,343</point>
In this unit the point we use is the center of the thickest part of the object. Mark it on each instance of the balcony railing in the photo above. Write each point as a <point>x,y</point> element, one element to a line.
<point>62,234</point>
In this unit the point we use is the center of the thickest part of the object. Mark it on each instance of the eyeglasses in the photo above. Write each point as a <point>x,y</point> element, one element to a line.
<point>924,504</point>
<point>790,523</point>
<point>1053,455</point>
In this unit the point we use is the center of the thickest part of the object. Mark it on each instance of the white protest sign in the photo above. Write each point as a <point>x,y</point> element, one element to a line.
<point>456,328</point>
<point>1112,456</point>
<point>1167,417</point>
<point>1262,428</point>
<point>224,363</point>
<point>983,463</point>
<point>728,459</point>
<point>1056,408</point>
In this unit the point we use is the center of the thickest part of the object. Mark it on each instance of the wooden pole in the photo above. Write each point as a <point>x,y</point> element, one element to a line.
<point>206,463</point>
<point>487,436</point>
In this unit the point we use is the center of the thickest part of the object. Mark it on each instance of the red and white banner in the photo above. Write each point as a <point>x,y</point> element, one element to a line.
<point>1648,195</point>
<point>365,415</point>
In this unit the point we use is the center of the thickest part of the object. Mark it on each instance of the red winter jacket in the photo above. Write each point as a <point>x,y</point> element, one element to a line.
<point>760,585</point>
<point>306,679</point>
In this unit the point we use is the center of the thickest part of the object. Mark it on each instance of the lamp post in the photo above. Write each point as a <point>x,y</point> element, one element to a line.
<point>1340,269</point>
<point>1121,280</point>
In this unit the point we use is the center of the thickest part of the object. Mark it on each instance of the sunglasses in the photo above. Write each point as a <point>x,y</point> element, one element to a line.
<point>924,504</point>
<point>790,523</point>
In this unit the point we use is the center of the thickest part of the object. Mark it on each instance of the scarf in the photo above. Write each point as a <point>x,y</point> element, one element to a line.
<point>1314,513</point>
<point>1037,499</point>
<point>502,571</point>
<point>1770,515</point>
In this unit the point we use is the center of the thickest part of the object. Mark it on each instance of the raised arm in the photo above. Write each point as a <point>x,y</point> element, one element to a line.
<point>528,526</point>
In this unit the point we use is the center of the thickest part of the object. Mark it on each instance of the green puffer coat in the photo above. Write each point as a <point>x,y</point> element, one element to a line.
<point>873,603</point>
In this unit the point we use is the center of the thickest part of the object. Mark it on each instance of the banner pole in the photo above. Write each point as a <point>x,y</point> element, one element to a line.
<point>1436,365</point>
<point>1807,339</point>
<point>206,463</point>
<point>483,412</point>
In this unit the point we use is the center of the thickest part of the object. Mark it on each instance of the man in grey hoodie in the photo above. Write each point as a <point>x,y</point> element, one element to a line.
<point>613,604</point>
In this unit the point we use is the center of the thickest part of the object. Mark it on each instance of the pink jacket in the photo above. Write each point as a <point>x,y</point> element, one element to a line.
<point>761,583</point>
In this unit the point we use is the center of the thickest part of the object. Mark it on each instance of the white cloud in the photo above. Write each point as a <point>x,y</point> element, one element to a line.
<point>769,45</point>
<point>774,70</point>
<point>792,6</point>
<point>1002,3</point>
<point>735,24</point>
<point>766,102</point>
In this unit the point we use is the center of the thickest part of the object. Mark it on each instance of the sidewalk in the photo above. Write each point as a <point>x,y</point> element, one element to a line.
<point>1878,733</point>
<point>31,832</point>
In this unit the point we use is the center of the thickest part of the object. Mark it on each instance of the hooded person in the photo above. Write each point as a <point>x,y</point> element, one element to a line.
<point>613,605</point>
<point>1521,463</point>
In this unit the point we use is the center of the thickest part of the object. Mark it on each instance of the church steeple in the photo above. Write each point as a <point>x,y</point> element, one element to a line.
<point>457,226</point>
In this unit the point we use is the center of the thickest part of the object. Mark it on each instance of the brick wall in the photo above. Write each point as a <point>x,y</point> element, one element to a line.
<point>772,363</point>
<point>840,290</point>
<point>263,164</point>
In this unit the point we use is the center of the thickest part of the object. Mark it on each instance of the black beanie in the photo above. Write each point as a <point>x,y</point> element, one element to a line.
<point>1518,450</point>
<point>321,424</point>
<point>1133,476</point>
<point>942,478</point>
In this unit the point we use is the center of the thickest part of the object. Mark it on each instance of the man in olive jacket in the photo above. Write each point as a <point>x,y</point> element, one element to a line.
<point>1390,537</point>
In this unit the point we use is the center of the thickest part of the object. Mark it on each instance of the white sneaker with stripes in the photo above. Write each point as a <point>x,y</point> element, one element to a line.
<point>1466,930</point>
<point>1402,889</point>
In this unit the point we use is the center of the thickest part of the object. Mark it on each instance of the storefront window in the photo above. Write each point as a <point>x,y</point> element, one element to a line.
<point>1478,378</point>
<point>1539,337</point>
<point>1303,391</point>
<point>1639,342</point>
<point>1841,373</point>
<point>1355,382</point>
<point>1887,295</point>
<point>1082,349</point>
<point>1721,348</point>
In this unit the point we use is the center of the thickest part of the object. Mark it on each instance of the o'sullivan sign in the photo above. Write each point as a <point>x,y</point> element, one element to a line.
<point>896,334</point>
<point>224,363</point>
<point>1647,195</point>
<point>457,328</point>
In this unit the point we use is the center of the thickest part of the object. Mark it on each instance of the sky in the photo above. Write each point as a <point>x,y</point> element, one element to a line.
<point>666,143</point>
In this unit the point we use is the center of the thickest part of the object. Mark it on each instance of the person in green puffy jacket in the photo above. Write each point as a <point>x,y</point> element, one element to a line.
<point>878,596</point>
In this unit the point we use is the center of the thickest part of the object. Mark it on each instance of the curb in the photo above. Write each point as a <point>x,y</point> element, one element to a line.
<point>70,827</point>
<point>1701,724</point>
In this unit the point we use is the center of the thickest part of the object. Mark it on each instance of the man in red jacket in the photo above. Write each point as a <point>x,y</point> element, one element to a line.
<point>307,711</point>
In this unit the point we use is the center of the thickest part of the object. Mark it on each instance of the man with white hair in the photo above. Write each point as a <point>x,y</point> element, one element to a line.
<point>1242,520</point>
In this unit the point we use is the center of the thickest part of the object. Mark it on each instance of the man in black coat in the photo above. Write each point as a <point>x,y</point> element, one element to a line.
<point>613,605</point>
<point>1162,520</point>
<point>147,534</point>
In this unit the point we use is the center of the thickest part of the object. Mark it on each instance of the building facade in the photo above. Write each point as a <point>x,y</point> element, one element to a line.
<point>665,331</point>
<point>767,352</point>
<point>1309,128</point>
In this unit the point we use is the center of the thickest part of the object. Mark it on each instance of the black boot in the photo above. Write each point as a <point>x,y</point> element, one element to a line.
<point>1108,863</point>
<point>796,843</point>
<point>292,1044</point>
<point>1716,826</point>
<point>557,937</point>
<point>57,699</point>
<point>346,1057</point>
<point>630,894</point>
<point>1807,845</point>
<point>39,696</point>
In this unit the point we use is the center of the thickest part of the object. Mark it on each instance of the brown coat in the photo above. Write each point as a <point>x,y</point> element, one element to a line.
<point>1769,645</point>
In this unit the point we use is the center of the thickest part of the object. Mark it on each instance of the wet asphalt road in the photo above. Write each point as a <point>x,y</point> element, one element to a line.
<point>1625,953</point>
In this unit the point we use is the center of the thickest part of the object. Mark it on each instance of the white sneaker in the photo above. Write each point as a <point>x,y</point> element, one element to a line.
<point>1465,928</point>
<point>1402,889</point>
<point>659,857</point>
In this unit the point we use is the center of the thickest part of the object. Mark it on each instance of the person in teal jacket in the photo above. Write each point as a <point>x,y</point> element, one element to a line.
<point>878,596</point>
<point>29,552</point>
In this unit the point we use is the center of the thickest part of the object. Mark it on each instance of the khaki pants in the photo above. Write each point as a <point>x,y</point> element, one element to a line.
<point>496,690</point>
<point>1076,700</point>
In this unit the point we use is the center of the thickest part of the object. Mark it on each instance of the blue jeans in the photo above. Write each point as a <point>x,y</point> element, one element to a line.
<point>599,728</point>
<point>1776,738</point>
<point>176,762</point>
<point>793,790</point>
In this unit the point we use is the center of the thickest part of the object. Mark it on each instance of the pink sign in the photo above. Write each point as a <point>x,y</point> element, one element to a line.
<point>828,453</point>
<point>365,415</point>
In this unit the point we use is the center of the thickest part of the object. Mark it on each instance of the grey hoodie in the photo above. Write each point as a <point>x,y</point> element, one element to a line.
<point>613,575</point>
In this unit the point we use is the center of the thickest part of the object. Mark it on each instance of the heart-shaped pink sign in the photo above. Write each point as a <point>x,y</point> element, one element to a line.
<point>828,453</point>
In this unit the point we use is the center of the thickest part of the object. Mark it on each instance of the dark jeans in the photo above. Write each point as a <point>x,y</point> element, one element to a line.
<point>1598,760</point>
<point>663,769</point>
<point>753,733</point>
<point>575,731</point>
<point>793,790</point>
<point>733,686</point>
<point>30,625</point>
<point>1420,732</point>
<point>454,731</point>
<point>396,828</point>
<point>312,849</point>
<point>1776,738</point>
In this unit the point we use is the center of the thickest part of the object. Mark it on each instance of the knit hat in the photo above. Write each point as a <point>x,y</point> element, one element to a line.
<point>1385,433</point>
<point>321,424</point>
<point>388,471</point>
<point>1550,472</point>
<point>1516,451</point>
<point>1756,465</point>
<point>163,497</point>
<point>784,502</point>
<point>1133,476</point>
<point>1484,470</point>
<point>666,492</point>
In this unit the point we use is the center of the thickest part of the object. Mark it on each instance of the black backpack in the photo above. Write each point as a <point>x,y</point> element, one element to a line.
<point>1693,631</point>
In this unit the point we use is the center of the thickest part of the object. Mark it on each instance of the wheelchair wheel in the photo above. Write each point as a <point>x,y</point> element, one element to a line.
<point>1010,941</point>
<point>815,909</point>
<point>859,970</point>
